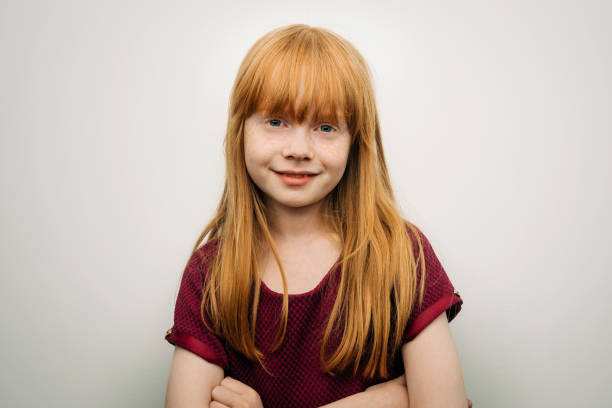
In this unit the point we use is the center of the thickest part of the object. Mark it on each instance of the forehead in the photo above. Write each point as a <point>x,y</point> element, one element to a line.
<point>301,93</point>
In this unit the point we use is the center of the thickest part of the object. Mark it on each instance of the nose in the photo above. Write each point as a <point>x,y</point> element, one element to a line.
<point>298,144</point>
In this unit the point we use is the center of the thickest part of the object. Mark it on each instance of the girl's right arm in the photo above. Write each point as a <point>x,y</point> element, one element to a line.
<point>191,380</point>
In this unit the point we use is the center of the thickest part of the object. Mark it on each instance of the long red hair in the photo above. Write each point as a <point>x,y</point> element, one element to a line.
<point>377,290</point>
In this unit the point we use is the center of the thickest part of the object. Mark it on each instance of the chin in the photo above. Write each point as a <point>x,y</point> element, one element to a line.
<point>297,203</point>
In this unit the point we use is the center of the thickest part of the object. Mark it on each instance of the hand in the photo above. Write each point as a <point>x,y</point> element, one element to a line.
<point>231,393</point>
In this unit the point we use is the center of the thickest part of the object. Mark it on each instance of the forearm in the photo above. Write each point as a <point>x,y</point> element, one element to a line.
<point>361,399</point>
<point>392,394</point>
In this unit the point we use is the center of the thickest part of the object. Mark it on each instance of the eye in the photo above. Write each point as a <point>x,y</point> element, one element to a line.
<point>275,122</point>
<point>327,128</point>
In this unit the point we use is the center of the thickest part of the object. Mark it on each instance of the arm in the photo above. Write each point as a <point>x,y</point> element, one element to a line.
<point>434,373</point>
<point>191,380</point>
<point>392,393</point>
<point>433,369</point>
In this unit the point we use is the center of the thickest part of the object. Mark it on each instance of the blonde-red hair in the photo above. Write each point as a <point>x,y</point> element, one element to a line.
<point>377,290</point>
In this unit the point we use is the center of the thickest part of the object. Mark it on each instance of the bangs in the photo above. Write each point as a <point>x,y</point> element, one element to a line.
<point>304,77</point>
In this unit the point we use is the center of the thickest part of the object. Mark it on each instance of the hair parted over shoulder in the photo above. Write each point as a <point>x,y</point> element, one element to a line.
<point>378,261</point>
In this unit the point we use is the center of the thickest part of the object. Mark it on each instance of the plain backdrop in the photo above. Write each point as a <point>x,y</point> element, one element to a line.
<point>496,126</point>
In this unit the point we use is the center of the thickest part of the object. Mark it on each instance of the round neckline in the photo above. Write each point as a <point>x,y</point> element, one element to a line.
<point>312,291</point>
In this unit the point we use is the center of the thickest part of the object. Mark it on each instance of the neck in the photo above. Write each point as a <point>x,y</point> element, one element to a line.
<point>295,224</point>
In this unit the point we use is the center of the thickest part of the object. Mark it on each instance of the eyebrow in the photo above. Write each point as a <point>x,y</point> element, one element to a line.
<point>325,118</point>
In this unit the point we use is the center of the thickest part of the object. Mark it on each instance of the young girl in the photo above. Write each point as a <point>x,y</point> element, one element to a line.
<point>310,288</point>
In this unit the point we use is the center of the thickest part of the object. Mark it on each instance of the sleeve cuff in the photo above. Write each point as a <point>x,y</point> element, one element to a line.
<point>196,346</point>
<point>449,303</point>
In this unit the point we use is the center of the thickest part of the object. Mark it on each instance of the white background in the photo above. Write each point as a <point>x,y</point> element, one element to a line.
<point>496,126</point>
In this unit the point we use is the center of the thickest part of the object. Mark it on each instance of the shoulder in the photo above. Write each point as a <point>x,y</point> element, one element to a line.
<point>201,259</point>
<point>207,251</point>
<point>414,232</point>
<point>417,239</point>
<point>438,292</point>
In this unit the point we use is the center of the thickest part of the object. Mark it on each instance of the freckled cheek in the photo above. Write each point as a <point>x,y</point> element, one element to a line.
<point>333,155</point>
<point>258,151</point>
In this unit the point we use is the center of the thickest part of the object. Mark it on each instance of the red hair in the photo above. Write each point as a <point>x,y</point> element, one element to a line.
<point>378,290</point>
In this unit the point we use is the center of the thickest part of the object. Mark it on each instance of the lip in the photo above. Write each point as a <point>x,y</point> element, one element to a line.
<point>296,181</point>
<point>307,173</point>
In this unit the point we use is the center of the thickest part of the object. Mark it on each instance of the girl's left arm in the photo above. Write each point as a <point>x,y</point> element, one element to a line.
<point>433,370</point>
<point>433,376</point>
<point>390,394</point>
<point>393,393</point>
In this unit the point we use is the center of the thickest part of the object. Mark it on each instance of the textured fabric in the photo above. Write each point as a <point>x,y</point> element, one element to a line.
<point>297,380</point>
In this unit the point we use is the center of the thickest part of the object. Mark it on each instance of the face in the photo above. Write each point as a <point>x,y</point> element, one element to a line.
<point>316,154</point>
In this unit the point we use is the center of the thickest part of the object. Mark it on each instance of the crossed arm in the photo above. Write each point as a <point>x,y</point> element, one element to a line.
<point>433,374</point>
<point>206,387</point>
<point>232,393</point>
<point>393,393</point>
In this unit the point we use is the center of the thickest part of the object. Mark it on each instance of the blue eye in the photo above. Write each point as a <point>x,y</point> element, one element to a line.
<point>327,128</point>
<point>275,122</point>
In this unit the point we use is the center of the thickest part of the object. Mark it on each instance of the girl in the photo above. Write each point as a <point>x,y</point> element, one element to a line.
<point>310,288</point>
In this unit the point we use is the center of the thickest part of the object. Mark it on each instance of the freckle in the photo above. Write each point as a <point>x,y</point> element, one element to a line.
<point>332,150</point>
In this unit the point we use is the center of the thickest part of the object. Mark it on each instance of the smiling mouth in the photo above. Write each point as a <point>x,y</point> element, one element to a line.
<point>295,180</point>
<point>296,175</point>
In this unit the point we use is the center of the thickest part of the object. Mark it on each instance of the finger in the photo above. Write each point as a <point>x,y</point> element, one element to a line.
<point>217,404</point>
<point>235,385</point>
<point>225,396</point>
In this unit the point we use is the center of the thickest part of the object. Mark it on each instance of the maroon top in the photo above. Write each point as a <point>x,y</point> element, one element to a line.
<point>297,380</point>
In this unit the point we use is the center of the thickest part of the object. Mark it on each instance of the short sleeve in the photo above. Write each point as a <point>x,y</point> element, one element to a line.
<point>189,331</point>
<point>439,295</point>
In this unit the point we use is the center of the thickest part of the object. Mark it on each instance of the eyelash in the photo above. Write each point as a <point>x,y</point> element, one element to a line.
<point>324,124</point>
